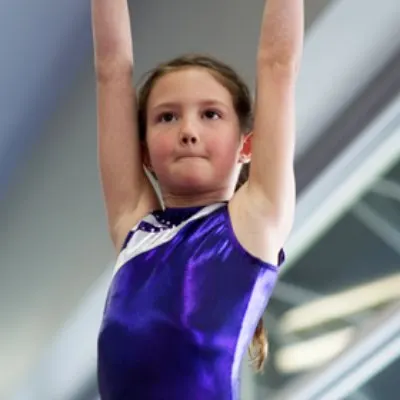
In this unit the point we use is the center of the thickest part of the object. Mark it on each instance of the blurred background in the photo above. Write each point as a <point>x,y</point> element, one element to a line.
<point>334,319</point>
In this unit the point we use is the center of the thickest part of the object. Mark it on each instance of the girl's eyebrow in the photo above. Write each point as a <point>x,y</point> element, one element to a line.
<point>172,104</point>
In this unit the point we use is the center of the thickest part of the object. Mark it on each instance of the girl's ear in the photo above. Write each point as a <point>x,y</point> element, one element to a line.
<point>245,151</point>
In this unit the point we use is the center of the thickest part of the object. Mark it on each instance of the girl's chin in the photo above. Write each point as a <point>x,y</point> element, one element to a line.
<point>192,169</point>
<point>187,180</point>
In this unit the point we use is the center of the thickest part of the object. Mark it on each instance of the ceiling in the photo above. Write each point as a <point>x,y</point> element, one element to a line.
<point>54,250</point>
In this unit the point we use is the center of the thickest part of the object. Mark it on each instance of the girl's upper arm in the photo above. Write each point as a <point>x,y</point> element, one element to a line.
<point>262,210</point>
<point>271,185</point>
<point>127,191</point>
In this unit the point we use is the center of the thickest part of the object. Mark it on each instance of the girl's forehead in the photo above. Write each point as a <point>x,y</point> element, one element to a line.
<point>188,84</point>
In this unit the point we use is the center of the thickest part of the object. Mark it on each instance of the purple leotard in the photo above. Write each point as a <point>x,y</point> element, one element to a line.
<point>181,309</point>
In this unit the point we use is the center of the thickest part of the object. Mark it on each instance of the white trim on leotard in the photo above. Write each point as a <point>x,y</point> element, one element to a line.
<point>143,241</point>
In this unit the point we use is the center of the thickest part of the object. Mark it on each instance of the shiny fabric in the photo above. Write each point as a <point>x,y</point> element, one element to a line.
<point>181,309</point>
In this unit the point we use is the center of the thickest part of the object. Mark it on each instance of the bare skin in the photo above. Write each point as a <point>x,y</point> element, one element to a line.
<point>127,191</point>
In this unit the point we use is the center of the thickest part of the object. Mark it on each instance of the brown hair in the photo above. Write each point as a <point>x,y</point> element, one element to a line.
<point>242,103</point>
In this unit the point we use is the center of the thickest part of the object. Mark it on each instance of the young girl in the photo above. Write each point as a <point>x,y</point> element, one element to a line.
<point>194,274</point>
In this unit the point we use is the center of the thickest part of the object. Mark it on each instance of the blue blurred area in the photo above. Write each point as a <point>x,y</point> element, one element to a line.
<point>40,56</point>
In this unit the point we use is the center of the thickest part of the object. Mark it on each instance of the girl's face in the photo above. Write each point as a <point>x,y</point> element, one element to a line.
<point>193,134</point>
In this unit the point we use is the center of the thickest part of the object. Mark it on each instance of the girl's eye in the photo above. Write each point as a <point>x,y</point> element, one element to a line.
<point>211,114</point>
<point>166,117</point>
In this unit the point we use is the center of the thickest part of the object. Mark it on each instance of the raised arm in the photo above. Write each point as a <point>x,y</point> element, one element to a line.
<point>271,180</point>
<point>127,191</point>
<point>262,211</point>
